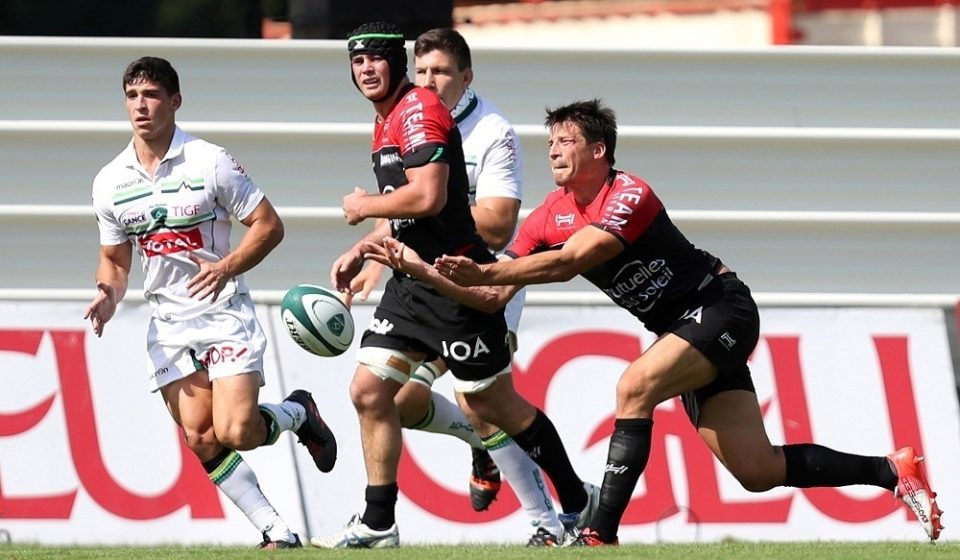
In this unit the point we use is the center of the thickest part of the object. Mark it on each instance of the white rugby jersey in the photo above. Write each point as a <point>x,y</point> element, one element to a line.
<point>491,151</point>
<point>185,209</point>
<point>490,148</point>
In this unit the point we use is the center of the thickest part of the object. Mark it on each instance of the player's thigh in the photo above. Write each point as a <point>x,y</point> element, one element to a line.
<point>190,402</point>
<point>666,369</point>
<point>235,400</point>
<point>731,424</point>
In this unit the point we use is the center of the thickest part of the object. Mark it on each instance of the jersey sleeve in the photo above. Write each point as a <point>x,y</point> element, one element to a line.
<point>631,208</point>
<point>111,230</point>
<point>422,130</point>
<point>501,170</point>
<point>235,190</point>
<point>529,238</point>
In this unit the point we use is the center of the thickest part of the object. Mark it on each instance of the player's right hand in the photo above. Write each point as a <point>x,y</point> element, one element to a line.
<point>102,308</point>
<point>344,269</point>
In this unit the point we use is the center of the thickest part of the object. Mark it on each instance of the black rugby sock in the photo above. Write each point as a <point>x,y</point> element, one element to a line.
<point>629,451</point>
<point>381,506</point>
<point>543,444</point>
<point>810,465</point>
<point>212,464</point>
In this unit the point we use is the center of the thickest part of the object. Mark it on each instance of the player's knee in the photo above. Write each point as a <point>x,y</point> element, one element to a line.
<point>756,477</point>
<point>236,433</point>
<point>368,396</point>
<point>634,390</point>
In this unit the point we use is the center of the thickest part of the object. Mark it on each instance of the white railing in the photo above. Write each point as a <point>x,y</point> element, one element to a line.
<point>325,213</point>
<point>202,128</point>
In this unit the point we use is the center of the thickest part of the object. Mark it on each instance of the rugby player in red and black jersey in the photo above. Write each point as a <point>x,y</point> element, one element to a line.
<point>610,227</point>
<point>423,201</point>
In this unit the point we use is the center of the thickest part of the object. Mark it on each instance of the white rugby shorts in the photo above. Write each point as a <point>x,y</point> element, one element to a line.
<point>225,342</point>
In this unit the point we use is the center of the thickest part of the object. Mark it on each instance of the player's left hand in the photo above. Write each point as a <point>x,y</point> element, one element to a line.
<point>209,281</point>
<point>352,204</point>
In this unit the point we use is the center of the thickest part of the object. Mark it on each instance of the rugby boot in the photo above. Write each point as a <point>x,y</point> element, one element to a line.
<point>484,480</point>
<point>268,544</point>
<point>356,534</point>
<point>914,490</point>
<point>314,433</point>
<point>589,537</point>
<point>543,537</point>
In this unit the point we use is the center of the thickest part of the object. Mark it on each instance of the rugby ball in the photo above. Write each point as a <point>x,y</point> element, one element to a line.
<point>317,320</point>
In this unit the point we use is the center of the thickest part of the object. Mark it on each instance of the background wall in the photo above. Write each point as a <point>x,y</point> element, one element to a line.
<point>807,169</point>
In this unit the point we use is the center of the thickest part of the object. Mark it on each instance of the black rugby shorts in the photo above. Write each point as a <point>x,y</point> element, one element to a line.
<point>724,325</point>
<point>412,316</point>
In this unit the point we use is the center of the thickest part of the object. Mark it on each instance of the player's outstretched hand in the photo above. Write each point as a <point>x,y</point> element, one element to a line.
<point>345,269</point>
<point>367,279</point>
<point>461,270</point>
<point>208,281</point>
<point>102,308</point>
<point>394,254</point>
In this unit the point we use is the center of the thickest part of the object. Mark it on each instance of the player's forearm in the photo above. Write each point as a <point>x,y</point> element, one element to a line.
<point>485,298</point>
<point>114,276</point>
<point>258,241</point>
<point>542,268</point>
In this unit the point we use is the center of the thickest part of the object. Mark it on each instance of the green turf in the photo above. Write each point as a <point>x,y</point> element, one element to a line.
<point>713,551</point>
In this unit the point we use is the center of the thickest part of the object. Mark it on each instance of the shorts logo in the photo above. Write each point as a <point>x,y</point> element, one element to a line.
<point>222,355</point>
<point>380,326</point>
<point>169,242</point>
<point>727,340</point>
<point>460,350</point>
<point>697,315</point>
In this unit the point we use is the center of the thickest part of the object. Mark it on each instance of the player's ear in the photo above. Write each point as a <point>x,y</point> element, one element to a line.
<point>177,101</point>
<point>468,77</point>
<point>599,150</point>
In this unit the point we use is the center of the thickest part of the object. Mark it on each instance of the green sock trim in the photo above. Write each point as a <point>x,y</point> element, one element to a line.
<point>496,441</point>
<point>425,421</point>
<point>226,468</point>
<point>273,429</point>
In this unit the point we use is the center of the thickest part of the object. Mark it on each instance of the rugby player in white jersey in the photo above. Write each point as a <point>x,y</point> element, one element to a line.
<point>172,196</point>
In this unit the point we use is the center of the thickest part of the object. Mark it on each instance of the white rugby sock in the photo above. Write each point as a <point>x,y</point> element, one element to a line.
<point>286,415</point>
<point>238,482</point>
<point>445,417</point>
<point>527,481</point>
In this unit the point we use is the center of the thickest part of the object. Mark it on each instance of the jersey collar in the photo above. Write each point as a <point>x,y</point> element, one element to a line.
<point>175,149</point>
<point>465,106</point>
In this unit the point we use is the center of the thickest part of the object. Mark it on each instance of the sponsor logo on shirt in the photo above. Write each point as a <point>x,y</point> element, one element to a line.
<point>563,221</point>
<point>168,242</point>
<point>389,158</point>
<point>640,285</point>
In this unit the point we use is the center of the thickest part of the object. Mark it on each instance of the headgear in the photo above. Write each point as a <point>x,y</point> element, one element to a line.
<point>383,39</point>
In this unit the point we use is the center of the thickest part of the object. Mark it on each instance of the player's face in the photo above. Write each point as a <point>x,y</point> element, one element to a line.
<point>571,156</point>
<point>150,109</point>
<point>372,74</point>
<point>438,72</point>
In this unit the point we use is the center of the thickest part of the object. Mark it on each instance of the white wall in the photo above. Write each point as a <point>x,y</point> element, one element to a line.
<point>782,129</point>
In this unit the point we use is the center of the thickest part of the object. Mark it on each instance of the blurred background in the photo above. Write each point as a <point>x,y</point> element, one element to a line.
<point>597,23</point>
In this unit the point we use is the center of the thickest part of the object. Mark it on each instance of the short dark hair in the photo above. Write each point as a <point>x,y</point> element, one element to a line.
<point>156,70</point>
<point>597,123</point>
<point>446,40</point>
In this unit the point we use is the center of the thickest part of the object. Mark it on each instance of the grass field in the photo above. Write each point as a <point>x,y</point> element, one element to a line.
<point>713,551</point>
